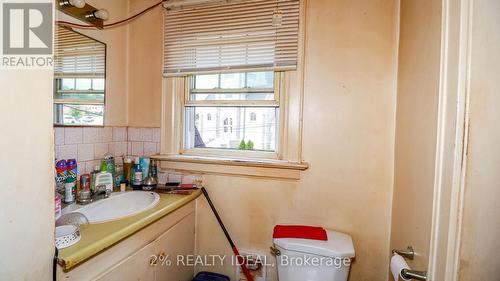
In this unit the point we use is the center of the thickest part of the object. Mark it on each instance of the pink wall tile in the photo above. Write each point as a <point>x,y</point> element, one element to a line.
<point>67,152</point>
<point>149,148</point>
<point>59,135</point>
<point>100,150</point>
<point>134,134</point>
<point>137,148</point>
<point>73,135</point>
<point>85,152</point>
<point>90,135</point>
<point>147,134</point>
<point>119,134</point>
<point>106,134</point>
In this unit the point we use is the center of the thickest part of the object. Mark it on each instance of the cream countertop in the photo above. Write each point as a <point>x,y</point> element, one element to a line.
<point>98,237</point>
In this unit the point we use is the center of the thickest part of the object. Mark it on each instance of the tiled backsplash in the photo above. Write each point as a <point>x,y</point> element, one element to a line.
<point>89,145</point>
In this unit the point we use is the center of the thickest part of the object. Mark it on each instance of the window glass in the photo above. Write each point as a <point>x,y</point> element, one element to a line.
<point>233,128</point>
<point>232,96</point>
<point>83,84</point>
<point>69,114</point>
<point>260,79</point>
<point>67,84</point>
<point>98,84</point>
<point>225,115</point>
<point>232,80</point>
<point>207,81</point>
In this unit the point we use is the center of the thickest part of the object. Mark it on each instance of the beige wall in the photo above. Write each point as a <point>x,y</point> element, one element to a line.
<point>145,66</point>
<point>26,177</point>
<point>416,127</point>
<point>479,258</point>
<point>350,74</point>
<point>116,59</point>
<point>348,141</point>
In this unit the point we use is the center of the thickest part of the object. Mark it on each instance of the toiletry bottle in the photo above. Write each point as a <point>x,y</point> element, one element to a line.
<point>104,179</point>
<point>110,164</point>
<point>137,175</point>
<point>69,190</point>
<point>144,162</point>
<point>104,166</point>
<point>61,175</point>
<point>92,177</point>
<point>119,176</point>
<point>72,169</point>
<point>57,205</point>
<point>127,170</point>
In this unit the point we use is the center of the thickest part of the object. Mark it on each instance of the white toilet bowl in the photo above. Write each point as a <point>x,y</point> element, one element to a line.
<point>314,260</point>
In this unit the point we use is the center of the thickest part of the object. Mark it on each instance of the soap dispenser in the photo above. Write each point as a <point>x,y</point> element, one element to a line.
<point>151,181</point>
<point>136,175</point>
<point>106,179</point>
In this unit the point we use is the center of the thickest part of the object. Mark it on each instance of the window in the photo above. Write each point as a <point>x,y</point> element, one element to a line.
<point>231,36</point>
<point>234,99</point>
<point>232,63</point>
<point>253,116</point>
<point>79,79</point>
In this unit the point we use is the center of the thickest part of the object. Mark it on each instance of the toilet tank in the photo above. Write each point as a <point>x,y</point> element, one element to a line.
<point>314,260</point>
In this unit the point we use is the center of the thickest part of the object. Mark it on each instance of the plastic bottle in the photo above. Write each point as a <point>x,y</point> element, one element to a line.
<point>70,190</point>
<point>119,175</point>
<point>61,174</point>
<point>72,169</point>
<point>57,205</point>
<point>154,169</point>
<point>93,176</point>
<point>127,170</point>
<point>144,162</point>
<point>137,175</point>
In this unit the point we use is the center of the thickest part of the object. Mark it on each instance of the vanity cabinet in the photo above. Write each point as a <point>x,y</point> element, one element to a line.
<point>135,267</point>
<point>158,260</point>
<point>151,254</point>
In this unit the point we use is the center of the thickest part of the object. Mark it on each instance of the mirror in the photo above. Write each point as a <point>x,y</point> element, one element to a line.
<point>79,79</point>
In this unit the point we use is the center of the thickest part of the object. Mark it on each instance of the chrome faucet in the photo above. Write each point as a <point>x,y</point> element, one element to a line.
<point>101,190</point>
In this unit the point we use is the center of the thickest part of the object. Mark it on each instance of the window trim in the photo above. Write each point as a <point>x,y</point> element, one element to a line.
<point>231,153</point>
<point>278,80</point>
<point>291,164</point>
<point>287,165</point>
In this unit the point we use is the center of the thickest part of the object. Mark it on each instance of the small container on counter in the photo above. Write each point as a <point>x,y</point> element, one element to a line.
<point>70,190</point>
<point>137,175</point>
<point>144,162</point>
<point>85,182</point>
<point>119,178</point>
<point>61,175</point>
<point>57,205</point>
<point>72,168</point>
<point>93,176</point>
<point>127,170</point>
<point>84,195</point>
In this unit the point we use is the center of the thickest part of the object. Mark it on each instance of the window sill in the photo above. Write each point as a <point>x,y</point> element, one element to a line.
<point>233,166</point>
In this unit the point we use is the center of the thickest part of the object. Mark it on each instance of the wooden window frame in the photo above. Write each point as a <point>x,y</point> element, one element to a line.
<point>289,163</point>
<point>246,154</point>
<point>285,163</point>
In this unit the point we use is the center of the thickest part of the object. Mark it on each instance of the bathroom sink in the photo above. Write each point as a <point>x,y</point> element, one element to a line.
<point>118,205</point>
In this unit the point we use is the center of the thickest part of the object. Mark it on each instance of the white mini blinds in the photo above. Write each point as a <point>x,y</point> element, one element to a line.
<point>232,36</point>
<point>76,55</point>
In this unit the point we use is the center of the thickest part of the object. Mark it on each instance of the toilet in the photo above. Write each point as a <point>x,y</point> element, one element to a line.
<point>314,260</point>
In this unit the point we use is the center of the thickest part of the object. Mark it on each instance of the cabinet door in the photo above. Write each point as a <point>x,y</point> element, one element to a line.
<point>177,243</point>
<point>134,268</point>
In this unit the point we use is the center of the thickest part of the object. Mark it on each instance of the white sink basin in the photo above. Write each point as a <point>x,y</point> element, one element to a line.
<point>117,206</point>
